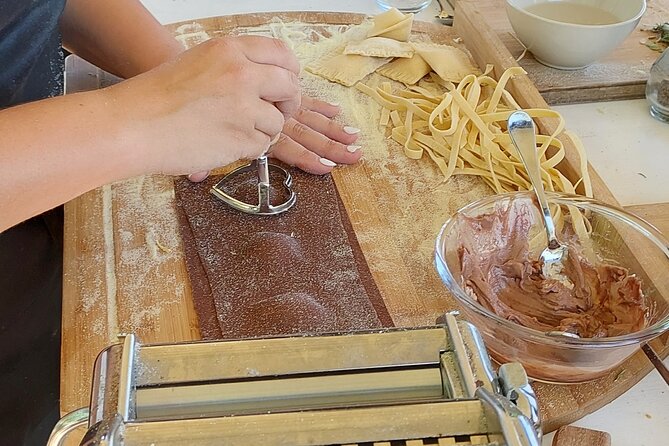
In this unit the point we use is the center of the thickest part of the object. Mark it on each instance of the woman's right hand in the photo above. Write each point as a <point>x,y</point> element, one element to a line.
<point>219,102</point>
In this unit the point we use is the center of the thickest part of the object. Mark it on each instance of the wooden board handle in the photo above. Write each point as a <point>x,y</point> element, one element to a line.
<point>579,436</point>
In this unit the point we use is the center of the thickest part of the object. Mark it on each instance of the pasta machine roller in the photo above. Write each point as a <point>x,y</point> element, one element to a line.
<point>415,386</point>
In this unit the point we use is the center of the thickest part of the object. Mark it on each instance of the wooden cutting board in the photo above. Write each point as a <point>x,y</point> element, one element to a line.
<point>620,75</point>
<point>124,267</point>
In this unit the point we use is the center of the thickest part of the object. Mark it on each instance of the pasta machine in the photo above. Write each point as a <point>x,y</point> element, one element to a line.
<point>414,386</point>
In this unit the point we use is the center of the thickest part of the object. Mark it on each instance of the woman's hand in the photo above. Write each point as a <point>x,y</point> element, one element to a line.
<point>221,101</point>
<point>314,142</point>
<point>310,140</point>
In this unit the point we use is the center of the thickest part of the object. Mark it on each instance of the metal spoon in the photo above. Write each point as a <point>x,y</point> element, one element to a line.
<point>521,129</point>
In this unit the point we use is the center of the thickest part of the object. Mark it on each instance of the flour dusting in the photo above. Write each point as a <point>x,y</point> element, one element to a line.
<point>146,238</point>
<point>420,201</point>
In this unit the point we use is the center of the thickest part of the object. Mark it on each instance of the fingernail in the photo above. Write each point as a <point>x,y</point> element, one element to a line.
<point>353,149</point>
<point>199,176</point>
<point>334,104</point>
<point>351,130</point>
<point>327,162</point>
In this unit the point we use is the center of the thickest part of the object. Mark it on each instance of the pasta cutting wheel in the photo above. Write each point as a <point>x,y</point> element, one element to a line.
<point>431,385</point>
<point>264,205</point>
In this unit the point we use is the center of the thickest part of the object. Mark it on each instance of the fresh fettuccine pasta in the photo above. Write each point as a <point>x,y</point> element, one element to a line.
<point>462,128</point>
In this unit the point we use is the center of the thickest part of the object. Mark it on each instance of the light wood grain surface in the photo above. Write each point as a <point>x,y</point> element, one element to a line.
<point>124,270</point>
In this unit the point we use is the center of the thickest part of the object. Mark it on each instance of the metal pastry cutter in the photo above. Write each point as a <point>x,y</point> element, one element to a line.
<point>432,385</point>
<point>264,206</point>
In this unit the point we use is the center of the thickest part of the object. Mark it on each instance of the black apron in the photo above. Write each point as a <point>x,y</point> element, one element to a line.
<point>31,68</point>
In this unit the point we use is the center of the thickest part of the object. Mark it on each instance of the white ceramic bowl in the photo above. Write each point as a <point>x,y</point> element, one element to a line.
<point>569,45</point>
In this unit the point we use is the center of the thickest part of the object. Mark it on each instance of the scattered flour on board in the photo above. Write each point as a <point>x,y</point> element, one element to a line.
<point>139,245</point>
<point>421,201</point>
<point>191,34</point>
<point>89,257</point>
<point>143,252</point>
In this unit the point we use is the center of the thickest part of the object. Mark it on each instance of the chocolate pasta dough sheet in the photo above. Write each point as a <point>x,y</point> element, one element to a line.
<point>301,272</point>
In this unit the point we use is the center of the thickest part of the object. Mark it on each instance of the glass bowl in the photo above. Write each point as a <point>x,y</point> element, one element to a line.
<point>613,236</point>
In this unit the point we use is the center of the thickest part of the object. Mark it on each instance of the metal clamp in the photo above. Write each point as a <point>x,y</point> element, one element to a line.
<point>104,433</point>
<point>71,421</point>
<point>516,387</point>
<point>514,428</point>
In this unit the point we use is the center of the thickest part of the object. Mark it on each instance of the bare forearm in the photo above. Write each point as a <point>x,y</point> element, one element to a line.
<point>54,150</point>
<point>219,102</point>
<point>120,36</point>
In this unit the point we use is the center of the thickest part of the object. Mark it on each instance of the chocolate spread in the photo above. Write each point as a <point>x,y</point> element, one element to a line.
<point>497,270</point>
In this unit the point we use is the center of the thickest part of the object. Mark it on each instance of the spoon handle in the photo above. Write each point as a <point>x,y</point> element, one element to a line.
<point>657,362</point>
<point>521,129</point>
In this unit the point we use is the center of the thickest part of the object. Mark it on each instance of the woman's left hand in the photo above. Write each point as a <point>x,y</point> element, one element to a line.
<point>312,140</point>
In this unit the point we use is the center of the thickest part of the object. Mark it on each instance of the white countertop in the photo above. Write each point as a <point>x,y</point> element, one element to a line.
<point>628,148</point>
